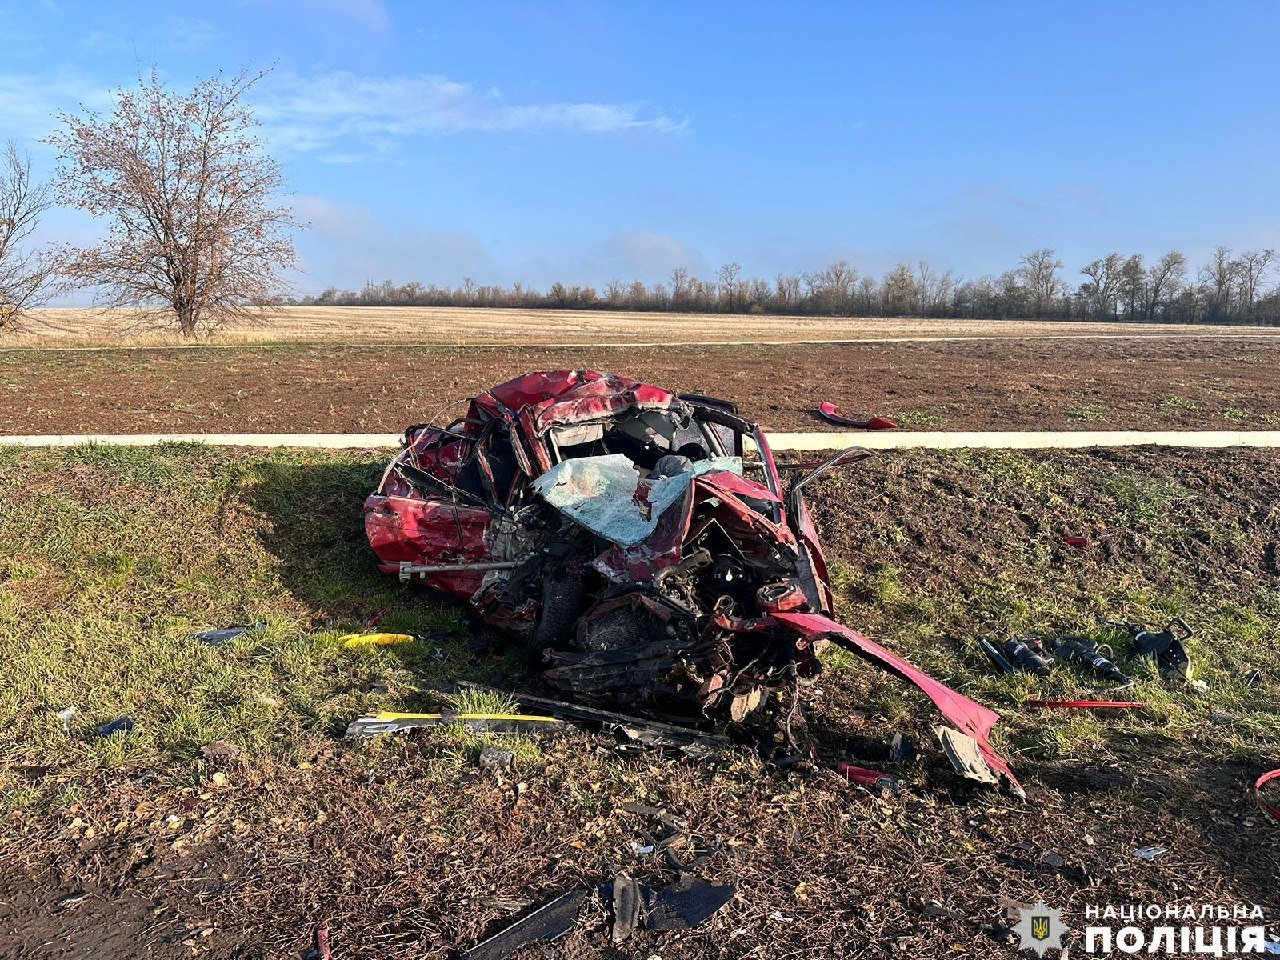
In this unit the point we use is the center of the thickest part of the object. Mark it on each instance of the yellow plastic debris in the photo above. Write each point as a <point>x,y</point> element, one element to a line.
<point>354,641</point>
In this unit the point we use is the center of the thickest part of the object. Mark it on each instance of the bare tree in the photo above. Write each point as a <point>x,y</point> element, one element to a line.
<point>26,276</point>
<point>1164,280</point>
<point>787,291</point>
<point>679,285</point>
<point>187,187</point>
<point>1038,272</point>
<point>729,279</point>
<point>1103,287</point>
<point>898,292</point>
<point>1253,266</point>
<point>1220,278</point>
<point>935,289</point>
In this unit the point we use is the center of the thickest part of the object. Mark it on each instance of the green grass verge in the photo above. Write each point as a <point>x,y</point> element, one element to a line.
<point>112,559</point>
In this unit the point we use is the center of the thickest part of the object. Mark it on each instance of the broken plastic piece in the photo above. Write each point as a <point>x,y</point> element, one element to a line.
<point>901,749</point>
<point>686,904</point>
<point>216,638</point>
<point>548,922</point>
<point>831,413</point>
<point>356,641</point>
<point>1078,542</point>
<point>1085,651</point>
<point>965,755</point>
<point>1150,853</point>
<point>119,725</point>
<point>1021,653</point>
<point>649,732</point>
<point>995,656</point>
<point>867,778</point>
<point>628,907</point>
<point>1166,646</point>
<point>66,715</point>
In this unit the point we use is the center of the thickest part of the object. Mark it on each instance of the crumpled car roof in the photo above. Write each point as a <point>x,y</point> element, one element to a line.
<point>551,397</point>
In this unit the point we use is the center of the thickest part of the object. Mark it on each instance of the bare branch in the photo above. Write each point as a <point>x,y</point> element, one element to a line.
<point>27,277</point>
<point>187,188</point>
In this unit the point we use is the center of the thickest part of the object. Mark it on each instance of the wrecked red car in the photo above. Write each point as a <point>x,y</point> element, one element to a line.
<point>644,547</point>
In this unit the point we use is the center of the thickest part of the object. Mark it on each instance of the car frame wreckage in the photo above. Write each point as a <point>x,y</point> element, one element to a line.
<point>644,547</point>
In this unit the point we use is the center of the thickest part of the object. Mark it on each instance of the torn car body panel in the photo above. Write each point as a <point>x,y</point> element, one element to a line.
<point>624,534</point>
<point>972,718</point>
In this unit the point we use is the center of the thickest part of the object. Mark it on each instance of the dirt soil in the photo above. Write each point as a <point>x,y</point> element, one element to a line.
<point>980,385</point>
<point>399,856</point>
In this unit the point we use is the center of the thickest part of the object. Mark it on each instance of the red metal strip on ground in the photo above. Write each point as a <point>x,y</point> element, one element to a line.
<point>1270,809</point>
<point>829,411</point>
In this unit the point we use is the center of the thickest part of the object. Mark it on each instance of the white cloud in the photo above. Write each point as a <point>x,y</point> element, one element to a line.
<point>372,13</point>
<point>650,256</point>
<point>190,33</point>
<point>344,115</point>
<point>29,104</point>
<point>306,113</point>
<point>347,245</point>
<point>102,42</point>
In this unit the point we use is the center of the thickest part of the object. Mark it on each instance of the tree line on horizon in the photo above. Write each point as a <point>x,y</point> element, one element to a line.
<point>1228,289</point>
<point>196,237</point>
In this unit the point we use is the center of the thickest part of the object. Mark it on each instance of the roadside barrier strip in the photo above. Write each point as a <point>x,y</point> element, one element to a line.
<point>780,442</point>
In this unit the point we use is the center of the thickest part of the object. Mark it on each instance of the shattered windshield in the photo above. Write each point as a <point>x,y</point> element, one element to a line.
<point>614,499</point>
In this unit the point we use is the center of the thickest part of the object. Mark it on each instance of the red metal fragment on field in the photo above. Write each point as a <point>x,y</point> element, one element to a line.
<point>1078,542</point>
<point>829,411</point>
<point>972,718</point>
<point>1269,808</point>
<point>864,776</point>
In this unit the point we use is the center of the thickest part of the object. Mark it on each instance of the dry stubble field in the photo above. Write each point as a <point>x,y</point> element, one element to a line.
<point>467,325</point>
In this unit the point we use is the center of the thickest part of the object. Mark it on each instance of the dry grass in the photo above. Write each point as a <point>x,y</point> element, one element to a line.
<point>457,326</point>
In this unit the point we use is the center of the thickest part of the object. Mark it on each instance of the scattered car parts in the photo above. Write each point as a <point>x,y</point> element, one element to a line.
<point>549,922</point>
<point>387,722</point>
<point>1085,651</point>
<point>216,638</point>
<point>357,641</point>
<point>683,905</point>
<point>644,548</point>
<point>1014,655</point>
<point>867,778</point>
<point>1166,647</point>
<point>695,743</point>
<point>119,725</point>
<point>829,412</point>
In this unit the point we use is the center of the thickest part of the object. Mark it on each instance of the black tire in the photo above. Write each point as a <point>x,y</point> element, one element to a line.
<point>562,592</point>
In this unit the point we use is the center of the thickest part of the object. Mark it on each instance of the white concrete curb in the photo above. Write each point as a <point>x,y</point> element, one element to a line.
<point>782,442</point>
<point>1021,440</point>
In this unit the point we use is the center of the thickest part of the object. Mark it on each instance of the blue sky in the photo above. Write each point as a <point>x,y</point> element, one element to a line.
<point>585,141</point>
